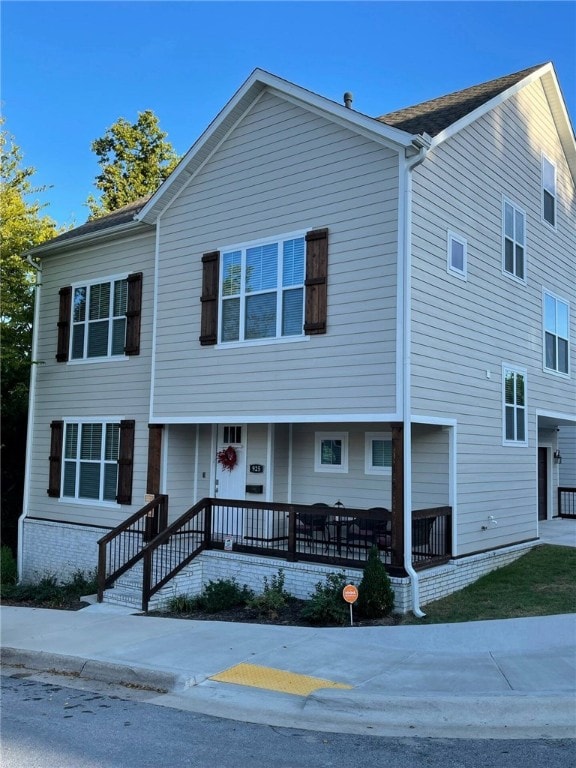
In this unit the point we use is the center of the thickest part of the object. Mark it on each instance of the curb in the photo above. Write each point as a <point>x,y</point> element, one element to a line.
<point>91,669</point>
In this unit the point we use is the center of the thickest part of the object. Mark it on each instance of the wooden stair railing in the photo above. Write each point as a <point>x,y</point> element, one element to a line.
<point>174,547</point>
<point>122,547</point>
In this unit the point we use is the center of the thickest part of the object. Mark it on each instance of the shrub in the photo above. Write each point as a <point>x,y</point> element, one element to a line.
<point>327,606</point>
<point>48,592</point>
<point>182,604</point>
<point>223,594</point>
<point>273,598</point>
<point>8,570</point>
<point>375,594</point>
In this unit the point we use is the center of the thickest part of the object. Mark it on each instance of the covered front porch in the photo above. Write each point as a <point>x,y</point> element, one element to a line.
<point>312,493</point>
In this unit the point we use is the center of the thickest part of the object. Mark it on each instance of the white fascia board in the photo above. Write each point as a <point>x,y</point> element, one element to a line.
<point>562,419</point>
<point>352,418</point>
<point>242,102</point>
<point>87,239</point>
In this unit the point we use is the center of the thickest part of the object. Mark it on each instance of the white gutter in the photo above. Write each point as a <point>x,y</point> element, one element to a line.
<point>422,143</point>
<point>31,412</point>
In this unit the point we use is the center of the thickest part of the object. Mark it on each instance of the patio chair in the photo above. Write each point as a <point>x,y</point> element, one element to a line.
<point>366,532</point>
<point>313,528</point>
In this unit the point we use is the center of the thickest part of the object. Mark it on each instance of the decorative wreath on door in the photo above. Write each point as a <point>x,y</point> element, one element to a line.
<point>227,458</point>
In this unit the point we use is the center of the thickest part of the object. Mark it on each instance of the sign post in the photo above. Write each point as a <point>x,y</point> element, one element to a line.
<point>350,594</point>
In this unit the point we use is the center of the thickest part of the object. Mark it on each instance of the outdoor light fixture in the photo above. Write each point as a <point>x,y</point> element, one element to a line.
<point>557,457</point>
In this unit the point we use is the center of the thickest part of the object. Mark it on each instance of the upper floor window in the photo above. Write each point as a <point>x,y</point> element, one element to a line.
<point>457,254</point>
<point>514,240</point>
<point>92,460</point>
<point>331,452</point>
<point>514,405</point>
<point>378,454</point>
<point>548,191</point>
<point>556,333</point>
<point>100,319</point>
<point>262,291</point>
<point>268,289</point>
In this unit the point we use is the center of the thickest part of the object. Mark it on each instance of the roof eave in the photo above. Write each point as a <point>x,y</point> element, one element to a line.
<point>555,100</point>
<point>236,108</point>
<point>45,249</point>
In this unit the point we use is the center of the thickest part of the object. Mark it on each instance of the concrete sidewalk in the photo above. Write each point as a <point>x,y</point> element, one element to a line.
<point>489,679</point>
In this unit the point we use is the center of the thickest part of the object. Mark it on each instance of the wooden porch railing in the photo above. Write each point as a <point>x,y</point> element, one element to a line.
<point>122,547</point>
<point>293,532</point>
<point>566,502</point>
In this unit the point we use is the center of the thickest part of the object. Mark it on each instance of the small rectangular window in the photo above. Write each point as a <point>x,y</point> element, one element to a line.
<point>514,405</point>
<point>457,254</point>
<point>378,453</point>
<point>99,319</point>
<point>331,452</point>
<point>556,324</point>
<point>548,191</point>
<point>513,240</point>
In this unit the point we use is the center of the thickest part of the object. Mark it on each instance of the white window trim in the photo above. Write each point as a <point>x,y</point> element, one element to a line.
<point>461,273</point>
<point>512,275</point>
<point>556,297</point>
<point>508,367</point>
<point>243,247</point>
<point>544,220</point>
<point>80,420</point>
<point>369,468</point>
<point>87,283</point>
<point>318,438</point>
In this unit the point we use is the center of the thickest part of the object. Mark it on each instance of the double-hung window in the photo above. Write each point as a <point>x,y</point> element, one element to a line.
<point>262,290</point>
<point>91,461</point>
<point>99,319</point>
<point>556,333</point>
<point>514,405</point>
<point>514,240</point>
<point>548,191</point>
<point>378,454</point>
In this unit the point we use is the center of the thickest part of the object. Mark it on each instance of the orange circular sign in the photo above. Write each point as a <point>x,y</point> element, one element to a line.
<point>350,593</point>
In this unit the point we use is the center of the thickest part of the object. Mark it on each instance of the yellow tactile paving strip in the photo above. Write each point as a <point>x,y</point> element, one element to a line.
<point>274,679</point>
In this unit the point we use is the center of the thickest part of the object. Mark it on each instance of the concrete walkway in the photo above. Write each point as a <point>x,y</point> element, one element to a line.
<point>485,679</point>
<point>489,679</point>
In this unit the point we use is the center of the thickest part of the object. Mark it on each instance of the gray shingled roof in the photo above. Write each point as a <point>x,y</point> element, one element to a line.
<point>434,116</point>
<point>123,215</point>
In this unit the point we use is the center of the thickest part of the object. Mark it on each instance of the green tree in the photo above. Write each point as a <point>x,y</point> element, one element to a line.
<point>21,227</point>
<point>135,159</point>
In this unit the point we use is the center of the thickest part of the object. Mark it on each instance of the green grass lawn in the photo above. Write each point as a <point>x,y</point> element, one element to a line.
<point>540,583</point>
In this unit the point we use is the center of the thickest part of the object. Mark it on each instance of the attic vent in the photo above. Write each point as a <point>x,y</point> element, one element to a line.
<point>348,100</point>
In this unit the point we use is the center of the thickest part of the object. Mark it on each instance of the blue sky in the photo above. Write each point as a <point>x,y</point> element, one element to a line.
<point>71,69</point>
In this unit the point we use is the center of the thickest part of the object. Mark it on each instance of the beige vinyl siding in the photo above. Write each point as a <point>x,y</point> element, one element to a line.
<point>567,446</point>
<point>114,388</point>
<point>283,170</point>
<point>463,331</point>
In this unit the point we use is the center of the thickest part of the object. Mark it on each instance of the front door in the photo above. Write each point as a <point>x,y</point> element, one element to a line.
<point>230,477</point>
<point>542,483</point>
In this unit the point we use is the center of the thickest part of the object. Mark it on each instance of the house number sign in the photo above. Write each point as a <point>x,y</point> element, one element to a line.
<point>256,468</point>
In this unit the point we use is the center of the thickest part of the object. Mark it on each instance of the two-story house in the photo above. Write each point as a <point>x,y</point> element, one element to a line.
<point>318,307</point>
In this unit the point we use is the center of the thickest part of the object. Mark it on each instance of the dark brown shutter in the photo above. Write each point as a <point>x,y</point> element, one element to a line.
<point>55,471</point>
<point>209,299</point>
<point>133,314</point>
<point>125,462</point>
<point>64,324</point>
<point>154,458</point>
<point>316,281</point>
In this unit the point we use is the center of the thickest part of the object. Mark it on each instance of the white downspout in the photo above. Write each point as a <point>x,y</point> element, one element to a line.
<point>422,143</point>
<point>31,412</point>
